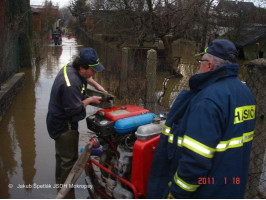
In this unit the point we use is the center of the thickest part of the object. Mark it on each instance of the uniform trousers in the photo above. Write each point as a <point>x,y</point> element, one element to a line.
<point>66,148</point>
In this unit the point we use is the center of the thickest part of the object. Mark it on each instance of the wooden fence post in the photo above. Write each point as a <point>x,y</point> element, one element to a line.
<point>123,86</point>
<point>150,97</point>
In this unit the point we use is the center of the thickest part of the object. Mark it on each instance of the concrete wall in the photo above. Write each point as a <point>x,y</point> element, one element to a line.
<point>8,92</point>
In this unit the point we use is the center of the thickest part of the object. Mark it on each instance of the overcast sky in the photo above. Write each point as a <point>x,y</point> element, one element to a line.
<point>63,3</point>
<point>60,3</point>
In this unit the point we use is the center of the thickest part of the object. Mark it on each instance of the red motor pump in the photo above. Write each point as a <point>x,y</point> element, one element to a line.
<point>128,136</point>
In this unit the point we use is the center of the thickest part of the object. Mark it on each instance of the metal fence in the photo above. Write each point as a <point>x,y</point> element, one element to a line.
<point>169,85</point>
<point>256,81</point>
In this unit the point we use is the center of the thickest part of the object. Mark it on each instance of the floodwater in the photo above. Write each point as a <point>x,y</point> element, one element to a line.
<point>27,159</point>
<point>27,153</point>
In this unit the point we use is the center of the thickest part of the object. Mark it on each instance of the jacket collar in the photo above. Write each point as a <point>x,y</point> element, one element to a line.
<point>200,81</point>
<point>70,65</point>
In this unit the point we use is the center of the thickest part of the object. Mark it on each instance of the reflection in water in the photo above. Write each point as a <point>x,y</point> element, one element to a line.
<point>7,156</point>
<point>26,151</point>
<point>17,139</point>
<point>24,125</point>
<point>57,51</point>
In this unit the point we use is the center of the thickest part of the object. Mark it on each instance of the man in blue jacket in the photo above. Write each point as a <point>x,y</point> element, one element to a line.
<point>67,107</point>
<point>204,148</point>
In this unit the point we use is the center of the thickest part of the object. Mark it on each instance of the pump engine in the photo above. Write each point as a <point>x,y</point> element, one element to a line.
<point>126,137</point>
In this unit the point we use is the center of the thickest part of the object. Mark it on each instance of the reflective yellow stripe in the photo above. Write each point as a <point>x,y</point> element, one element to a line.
<point>198,147</point>
<point>235,142</point>
<point>204,150</point>
<point>180,141</point>
<point>69,125</point>
<point>244,113</point>
<point>170,196</point>
<point>166,130</point>
<point>170,184</point>
<point>170,138</point>
<point>184,185</point>
<point>248,136</point>
<point>66,77</point>
<point>222,146</point>
<point>83,89</point>
<point>95,63</point>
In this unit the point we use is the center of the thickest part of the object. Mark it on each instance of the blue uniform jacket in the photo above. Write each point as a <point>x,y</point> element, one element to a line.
<point>65,107</point>
<point>204,148</point>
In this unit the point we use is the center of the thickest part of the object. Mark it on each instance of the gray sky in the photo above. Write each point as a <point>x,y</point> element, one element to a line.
<point>63,3</point>
<point>60,3</point>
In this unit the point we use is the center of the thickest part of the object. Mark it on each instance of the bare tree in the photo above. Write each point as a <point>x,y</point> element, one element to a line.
<point>171,20</point>
<point>167,20</point>
<point>79,9</point>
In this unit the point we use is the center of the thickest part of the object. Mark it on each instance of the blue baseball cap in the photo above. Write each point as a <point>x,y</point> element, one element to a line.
<point>90,58</point>
<point>221,48</point>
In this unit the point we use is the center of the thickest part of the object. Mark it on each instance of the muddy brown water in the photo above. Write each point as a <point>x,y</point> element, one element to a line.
<point>27,159</point>
<point>27,153</point>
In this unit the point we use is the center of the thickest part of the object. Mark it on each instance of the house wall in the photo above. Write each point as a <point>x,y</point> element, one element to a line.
<point>36,22</point>
<point>41,14</point>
